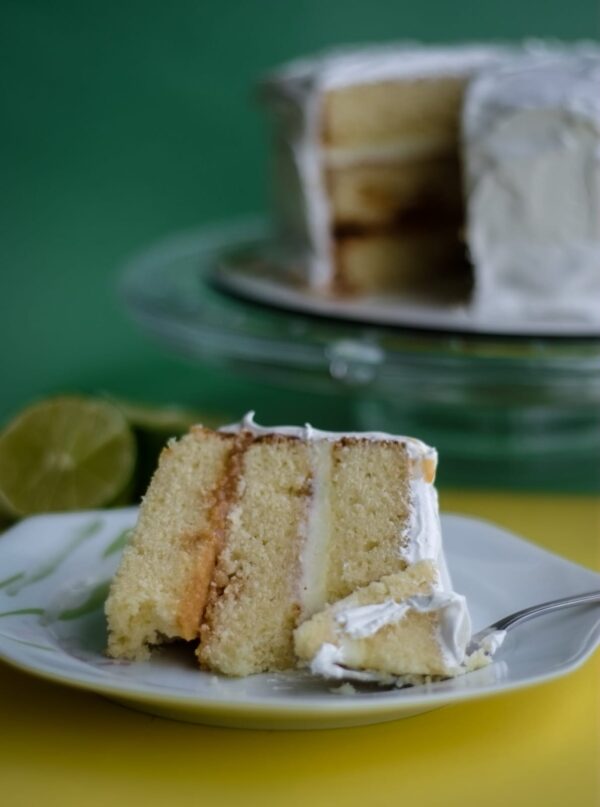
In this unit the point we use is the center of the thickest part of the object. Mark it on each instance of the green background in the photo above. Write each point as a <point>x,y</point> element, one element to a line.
<point>123,122</point>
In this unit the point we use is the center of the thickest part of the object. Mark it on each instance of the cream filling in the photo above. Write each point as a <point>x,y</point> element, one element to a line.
<point>316,203</point>
<point>313,561</point>
<point>407,149</point>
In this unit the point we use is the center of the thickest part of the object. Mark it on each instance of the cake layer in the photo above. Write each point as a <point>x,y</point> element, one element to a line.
<point>393,192</point>
<point>370,508</point>
<point>255,598</point>
<point>430,264</point>
<point>161,587</point>
<point>402,624</point>
<point>361,115</point>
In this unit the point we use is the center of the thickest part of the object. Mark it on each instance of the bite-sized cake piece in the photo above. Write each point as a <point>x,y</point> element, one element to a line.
<point>405,624</point>
<point>532,148</point>
<point>367,166</point>
<point>247,531</point>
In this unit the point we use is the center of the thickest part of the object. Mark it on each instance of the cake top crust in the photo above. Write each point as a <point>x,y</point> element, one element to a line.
<point>416,449</point>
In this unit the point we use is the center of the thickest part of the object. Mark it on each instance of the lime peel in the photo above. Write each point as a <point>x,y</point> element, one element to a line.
<point>65,453</point>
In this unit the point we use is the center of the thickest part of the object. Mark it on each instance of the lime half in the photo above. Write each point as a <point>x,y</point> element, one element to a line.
<point>67,453</point>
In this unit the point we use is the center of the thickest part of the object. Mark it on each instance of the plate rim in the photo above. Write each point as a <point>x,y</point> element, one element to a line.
<point>257,708</point>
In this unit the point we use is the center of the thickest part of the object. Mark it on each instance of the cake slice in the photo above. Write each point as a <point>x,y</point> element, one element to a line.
<point>405,624</point>
<point>255,599</point>
<point>247,532</point>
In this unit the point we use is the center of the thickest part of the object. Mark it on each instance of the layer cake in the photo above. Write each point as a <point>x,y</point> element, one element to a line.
<point>246,533</point>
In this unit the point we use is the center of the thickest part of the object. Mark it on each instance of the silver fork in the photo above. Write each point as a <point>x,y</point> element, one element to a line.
<point>478,640</point>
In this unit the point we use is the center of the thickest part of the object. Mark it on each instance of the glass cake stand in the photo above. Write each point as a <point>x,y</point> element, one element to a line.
<point>504,411</point>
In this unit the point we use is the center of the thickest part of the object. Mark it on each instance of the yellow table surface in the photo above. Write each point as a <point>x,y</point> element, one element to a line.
<point>540,746</point>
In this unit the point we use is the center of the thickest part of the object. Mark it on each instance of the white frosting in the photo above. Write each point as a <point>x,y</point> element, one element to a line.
<point>532,141</point>
<point>417,449</point>
<point>369,64</point>
<point>408,149</point>
<point>423,535</point>
<point>492,642</point>
<point>453,634</point>
<point>365,620</point>
<point>454,621</point>
<point>329,660</point>
<point>296,92</point>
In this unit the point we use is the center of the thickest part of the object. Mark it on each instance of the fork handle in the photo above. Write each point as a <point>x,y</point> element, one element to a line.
<point>544,608</point>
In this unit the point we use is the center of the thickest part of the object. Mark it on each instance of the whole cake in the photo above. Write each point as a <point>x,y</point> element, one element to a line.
<point>367,166</point>
<point>247,533</point>
<point>532,160</point>
<point>463,175</point>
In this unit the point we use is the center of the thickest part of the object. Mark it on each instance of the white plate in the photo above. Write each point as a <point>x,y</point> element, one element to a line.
<point>256,272</point>
<point>55,574</point>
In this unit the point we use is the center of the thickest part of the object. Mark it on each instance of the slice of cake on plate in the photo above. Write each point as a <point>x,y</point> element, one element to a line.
<point>247,532</point>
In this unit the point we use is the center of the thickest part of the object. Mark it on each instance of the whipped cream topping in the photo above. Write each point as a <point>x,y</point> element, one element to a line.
<point>453,634</point>
<point>454,621</point>
<point>532,143</point>
<point>329,663</point>
<point>368,64</point>
<point>365,620</point>
<point>423,534</point>
<point>417,449</point>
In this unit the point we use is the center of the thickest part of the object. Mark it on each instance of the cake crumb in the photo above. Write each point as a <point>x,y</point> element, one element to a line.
<point>344,689</point>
